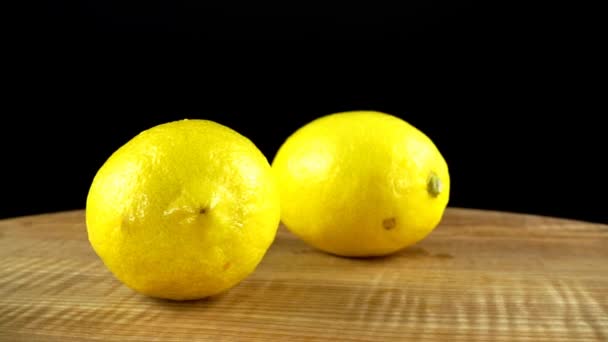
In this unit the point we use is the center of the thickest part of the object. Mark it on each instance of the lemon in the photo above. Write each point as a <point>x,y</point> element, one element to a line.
<point>361,183</point>
<point>184,210</point>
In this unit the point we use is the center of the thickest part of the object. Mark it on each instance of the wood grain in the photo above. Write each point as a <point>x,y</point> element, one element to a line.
<point>480,276</point>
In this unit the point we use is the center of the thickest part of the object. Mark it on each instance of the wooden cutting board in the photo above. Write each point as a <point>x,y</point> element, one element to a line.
<point>480,276</point>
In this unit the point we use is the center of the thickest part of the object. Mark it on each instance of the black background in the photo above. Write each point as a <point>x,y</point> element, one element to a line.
<point>510,93</point>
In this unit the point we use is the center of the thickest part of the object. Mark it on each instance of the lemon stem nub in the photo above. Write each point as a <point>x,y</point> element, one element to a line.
<point>434,185</point>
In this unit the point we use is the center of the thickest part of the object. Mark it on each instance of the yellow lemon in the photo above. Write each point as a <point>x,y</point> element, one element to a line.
<point>184,210</point>
<point>361,183</point>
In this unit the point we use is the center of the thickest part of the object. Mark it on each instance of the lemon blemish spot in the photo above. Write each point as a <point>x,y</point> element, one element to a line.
<point>389,223</point>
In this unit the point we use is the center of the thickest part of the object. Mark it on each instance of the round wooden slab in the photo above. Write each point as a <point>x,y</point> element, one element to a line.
<point>480,276</point>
